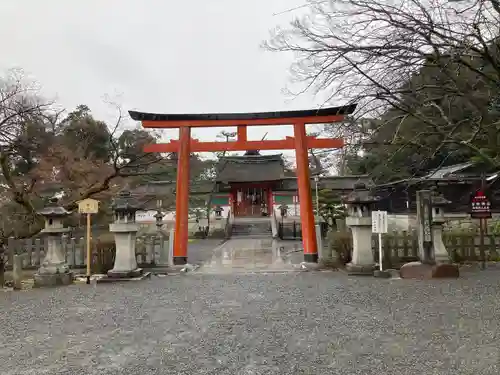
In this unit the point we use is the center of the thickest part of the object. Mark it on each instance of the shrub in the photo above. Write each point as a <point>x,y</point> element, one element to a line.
<point>341,247</point>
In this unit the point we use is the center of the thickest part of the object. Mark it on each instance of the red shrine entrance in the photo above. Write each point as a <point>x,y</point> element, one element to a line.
<point>251,200</point>
<point>300,143</point>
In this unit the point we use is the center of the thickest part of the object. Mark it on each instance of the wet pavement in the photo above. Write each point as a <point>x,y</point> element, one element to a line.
<point>253,255</point>
<point>290,323</point>
<point>199,251</point>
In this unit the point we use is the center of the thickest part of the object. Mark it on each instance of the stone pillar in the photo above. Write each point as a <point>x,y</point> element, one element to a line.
<point>277,256</point>
<point>362,262</point>
<point>439,249</point>
<point>440,253</point>
<point>125,229</point>
<point>170,255</point>
<point>17,272</point>
<point>53,269</point>
<point>162,248</point>
<point>424,223</point>
<point>435,260</point>
<point>319,240</point>
<point>360,206</point>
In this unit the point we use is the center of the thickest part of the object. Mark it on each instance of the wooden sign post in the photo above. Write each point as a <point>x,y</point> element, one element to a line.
<point>88,207</point>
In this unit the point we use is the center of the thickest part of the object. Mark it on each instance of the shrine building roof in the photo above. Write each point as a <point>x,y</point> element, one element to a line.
<point>250,168</point>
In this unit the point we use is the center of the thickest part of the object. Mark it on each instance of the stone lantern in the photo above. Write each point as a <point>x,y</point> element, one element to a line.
<point>125,229</point>
<point>218,212</point>
<point>159,220</point>
<point>360,203</point>
<point>438,204</point>
<point>54,270</point>
<point>283,210</point>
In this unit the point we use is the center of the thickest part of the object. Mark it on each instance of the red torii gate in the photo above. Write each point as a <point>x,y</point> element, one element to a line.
<point>300,143</point>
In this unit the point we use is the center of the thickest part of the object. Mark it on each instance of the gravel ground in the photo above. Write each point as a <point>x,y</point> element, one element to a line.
<point>295,323</point>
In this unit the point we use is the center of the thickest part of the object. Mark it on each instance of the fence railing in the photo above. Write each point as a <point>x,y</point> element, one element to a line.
<point>289,230</point>
<point>399,248</point>
<point>293,230</point>
<point>148,249</point>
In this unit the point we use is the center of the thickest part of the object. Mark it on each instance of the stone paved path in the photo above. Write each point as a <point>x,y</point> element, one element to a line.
<point>199,251</point>
<point>293,323</point>
<point>248,255</point>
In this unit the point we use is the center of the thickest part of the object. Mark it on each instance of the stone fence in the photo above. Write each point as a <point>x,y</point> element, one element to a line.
<point>148,250</point>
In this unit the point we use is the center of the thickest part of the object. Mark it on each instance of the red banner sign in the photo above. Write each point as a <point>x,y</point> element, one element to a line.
<point>480,206</point>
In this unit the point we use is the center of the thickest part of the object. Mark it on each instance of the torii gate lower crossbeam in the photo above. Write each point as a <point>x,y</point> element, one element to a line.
<point>300,142</point>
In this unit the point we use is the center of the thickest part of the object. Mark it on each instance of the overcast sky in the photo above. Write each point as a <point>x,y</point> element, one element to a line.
<point>171,56</point>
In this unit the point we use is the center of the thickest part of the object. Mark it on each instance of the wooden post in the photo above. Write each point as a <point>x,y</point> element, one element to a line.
<point>482,225</point>
<point>182,198</point>
<point>482,253</point>
<point>89,251</point>
<point>305,197</point>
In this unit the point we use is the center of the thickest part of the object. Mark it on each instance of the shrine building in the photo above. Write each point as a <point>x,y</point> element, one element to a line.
<point>251,186</point>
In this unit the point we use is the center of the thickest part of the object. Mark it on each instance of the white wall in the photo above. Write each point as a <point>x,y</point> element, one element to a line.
<point>149,216</point>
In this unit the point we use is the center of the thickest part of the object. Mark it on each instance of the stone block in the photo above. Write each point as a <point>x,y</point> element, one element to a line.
<point>56,279</point>
<point>422,271</point>
<point>309,266</point>
<point>136,275</point>
<point>125,274</point>
<point>360,270</point>
<point>382,274</point>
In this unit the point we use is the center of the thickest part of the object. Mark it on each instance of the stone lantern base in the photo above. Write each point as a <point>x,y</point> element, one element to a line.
<point>53,271</point>
<point>424,271</point>
<point>52,279</point>
<point>138,272</point>
<point>360,270</point>
<point>118,276</point>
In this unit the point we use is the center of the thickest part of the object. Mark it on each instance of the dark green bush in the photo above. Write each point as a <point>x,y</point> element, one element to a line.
<point>341,246</point>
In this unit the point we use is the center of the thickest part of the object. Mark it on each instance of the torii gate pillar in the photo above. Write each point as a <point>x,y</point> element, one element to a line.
<point>305,198</point>
<point>182,198</point>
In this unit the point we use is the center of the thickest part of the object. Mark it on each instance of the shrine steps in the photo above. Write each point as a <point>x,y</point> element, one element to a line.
<point>251,228</point>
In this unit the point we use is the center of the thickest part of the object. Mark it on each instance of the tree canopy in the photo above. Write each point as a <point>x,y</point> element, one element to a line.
<point>424,74</point>
<point>44,152</point>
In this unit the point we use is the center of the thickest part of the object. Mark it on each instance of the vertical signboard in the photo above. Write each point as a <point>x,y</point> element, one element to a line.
<point>379,226</point>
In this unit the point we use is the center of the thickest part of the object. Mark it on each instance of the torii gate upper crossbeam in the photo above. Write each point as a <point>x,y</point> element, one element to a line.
<point>300,142</point>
